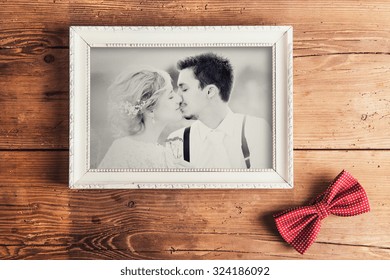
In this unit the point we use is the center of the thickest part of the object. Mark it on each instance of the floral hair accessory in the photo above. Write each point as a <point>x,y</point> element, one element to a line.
<point>132,110</point>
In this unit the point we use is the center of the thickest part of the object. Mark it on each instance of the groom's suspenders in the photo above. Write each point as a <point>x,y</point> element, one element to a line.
<point>244,145</point>
<point>186,144</point>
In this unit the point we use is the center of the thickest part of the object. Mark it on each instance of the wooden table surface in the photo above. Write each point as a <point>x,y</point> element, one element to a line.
<point>341,121</point>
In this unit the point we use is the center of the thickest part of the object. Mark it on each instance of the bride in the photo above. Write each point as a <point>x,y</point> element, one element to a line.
<point>142,103</point>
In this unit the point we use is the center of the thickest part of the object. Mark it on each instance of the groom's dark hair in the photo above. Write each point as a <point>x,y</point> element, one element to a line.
<point>210,68</point>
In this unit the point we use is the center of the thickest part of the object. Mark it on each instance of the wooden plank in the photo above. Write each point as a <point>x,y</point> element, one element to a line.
<point>27,37</point>
<point>331,40</point>
<point>33,169</point>
<point>320,13</point>
<point>36,103</point>
<point>265,250</point>
<point>40,217</point>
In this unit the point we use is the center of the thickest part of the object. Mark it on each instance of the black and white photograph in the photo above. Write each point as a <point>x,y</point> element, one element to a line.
<point>178,107</point>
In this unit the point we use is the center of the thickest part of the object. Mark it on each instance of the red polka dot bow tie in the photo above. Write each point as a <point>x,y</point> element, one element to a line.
<point>300,226</point>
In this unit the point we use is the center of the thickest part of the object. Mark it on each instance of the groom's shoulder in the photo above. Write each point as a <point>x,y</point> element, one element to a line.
<point>257,127</point>
<point>257,120</point>
<point>251,120</point>
<point>253,125</point>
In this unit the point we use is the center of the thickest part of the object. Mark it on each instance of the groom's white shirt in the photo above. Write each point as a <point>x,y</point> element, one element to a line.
<point>229,155</point>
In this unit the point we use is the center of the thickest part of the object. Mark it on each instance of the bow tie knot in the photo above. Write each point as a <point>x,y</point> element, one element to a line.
<point>322,210</point>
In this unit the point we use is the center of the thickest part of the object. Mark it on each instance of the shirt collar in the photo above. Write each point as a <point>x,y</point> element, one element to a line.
<point>225,126</point>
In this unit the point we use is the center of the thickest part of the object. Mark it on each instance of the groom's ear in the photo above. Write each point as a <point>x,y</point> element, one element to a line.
<point>212,90</point>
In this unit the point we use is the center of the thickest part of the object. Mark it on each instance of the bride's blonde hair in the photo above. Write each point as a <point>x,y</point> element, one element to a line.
<point>133,92</point>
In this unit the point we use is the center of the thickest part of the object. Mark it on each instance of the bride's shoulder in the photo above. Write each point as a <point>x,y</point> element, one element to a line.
<point>123,144</point>
<point>127,140</point>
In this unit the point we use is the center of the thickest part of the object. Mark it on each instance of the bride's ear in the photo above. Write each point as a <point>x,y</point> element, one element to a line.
<point>150,115</point>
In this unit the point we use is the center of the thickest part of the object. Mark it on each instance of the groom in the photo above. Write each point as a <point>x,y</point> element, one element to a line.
<point>219,138</point>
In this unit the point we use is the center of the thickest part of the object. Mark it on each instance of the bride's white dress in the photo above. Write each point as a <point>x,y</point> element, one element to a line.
<point>128,153</point>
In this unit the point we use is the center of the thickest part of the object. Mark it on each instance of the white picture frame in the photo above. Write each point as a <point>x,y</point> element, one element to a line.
<point>84,38</point>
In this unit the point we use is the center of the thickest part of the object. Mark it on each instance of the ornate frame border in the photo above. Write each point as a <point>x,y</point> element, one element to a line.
<point>82,38</point>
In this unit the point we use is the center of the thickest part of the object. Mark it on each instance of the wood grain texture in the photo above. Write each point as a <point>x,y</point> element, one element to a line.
<point>341,120</point>
<point>133,12</point>
<point>43,214</point>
